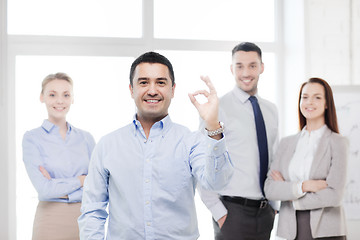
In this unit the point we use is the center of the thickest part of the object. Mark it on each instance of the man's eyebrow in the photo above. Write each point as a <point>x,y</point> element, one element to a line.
<point>240,63</point>
<point>142,78</point>
<point>146,78</point>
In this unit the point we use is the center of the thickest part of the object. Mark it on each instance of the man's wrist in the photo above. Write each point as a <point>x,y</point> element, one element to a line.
<point>216,131</point>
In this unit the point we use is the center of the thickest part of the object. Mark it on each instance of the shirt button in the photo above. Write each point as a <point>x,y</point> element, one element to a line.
<point>147,180</point>
<point>215,148</point>
<point>148,160</point>
<point>147,202</point>
<point>148,223</point>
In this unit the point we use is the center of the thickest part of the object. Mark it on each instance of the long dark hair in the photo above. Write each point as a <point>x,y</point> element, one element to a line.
<point>330,111</point>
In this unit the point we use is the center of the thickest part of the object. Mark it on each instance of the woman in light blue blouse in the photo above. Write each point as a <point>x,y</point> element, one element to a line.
<point>56,157</point>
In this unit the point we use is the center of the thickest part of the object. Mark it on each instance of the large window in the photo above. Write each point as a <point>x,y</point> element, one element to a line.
<point>214,20</point>
<point>96,41</point>
<point>94,18</point>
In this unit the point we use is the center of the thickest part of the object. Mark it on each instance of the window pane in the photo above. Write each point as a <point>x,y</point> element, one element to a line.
<point>267,82</point>
<point>215,20</point>
<point>102,104</point>
<point>94,18</point>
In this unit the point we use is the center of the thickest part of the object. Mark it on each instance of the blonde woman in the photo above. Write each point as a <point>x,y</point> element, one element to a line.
<point>309,172</point>
<point>56,157</point>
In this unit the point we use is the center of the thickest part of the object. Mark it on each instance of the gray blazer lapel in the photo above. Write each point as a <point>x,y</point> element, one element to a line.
<point>289,153</point>
<point>323,144</point>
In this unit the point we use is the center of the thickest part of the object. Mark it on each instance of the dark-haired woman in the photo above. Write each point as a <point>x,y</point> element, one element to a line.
<point>308,174</point>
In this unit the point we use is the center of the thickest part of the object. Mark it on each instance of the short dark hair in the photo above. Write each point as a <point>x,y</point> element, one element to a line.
<point>247,47</point>
<point>330,111</point>
<point>152,57</point>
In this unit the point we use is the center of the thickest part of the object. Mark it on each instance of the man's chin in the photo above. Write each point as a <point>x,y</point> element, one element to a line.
<point>153,116</point>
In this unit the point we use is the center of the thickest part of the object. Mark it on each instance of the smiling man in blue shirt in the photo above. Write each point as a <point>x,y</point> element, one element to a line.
<point>147,171</point>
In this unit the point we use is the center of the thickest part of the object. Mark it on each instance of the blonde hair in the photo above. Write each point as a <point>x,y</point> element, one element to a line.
<point>51,77</point>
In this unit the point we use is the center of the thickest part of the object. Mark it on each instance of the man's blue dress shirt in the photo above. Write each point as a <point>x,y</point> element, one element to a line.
<point>64,159</point>
<point>149,184</point>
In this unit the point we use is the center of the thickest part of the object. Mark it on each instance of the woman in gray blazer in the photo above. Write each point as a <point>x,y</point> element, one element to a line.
<point>308,173</point>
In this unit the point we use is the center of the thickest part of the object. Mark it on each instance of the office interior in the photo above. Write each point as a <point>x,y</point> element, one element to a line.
<point>299,38</point>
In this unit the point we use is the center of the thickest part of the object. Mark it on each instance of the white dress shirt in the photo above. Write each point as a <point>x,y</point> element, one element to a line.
<point>241,140</point>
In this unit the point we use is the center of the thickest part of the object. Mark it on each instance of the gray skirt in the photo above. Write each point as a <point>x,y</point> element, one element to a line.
<point>55,220</point>
<point>304,229</point>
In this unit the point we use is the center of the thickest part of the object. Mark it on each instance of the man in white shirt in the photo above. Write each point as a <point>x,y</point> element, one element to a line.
<point>240,210</point>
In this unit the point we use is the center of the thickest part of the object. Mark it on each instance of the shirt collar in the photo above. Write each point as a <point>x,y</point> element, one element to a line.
<point>241,95</point>
<point>49,126</point>
<point>164,124</point>
<point>316,133</point>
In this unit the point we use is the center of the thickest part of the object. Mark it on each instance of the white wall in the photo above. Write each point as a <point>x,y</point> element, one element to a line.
<point>355,47</point>
<point>333,39</point>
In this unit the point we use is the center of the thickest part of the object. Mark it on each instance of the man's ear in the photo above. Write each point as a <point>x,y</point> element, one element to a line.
<point>131,90</point>
<point>262,68</point>
<point>41,97</point>
<point>173,90</point>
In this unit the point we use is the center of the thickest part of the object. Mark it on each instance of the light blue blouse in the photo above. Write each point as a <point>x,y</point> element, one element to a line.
<point>64,159</point>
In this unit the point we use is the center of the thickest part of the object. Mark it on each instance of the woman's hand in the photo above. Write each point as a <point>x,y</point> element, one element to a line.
<point>313,185</point>
<point>276,175</point>
<point>82,179</point>
<point>44,172</point>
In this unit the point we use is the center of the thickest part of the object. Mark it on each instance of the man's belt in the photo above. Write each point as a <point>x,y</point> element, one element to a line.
<point>246,202</point>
